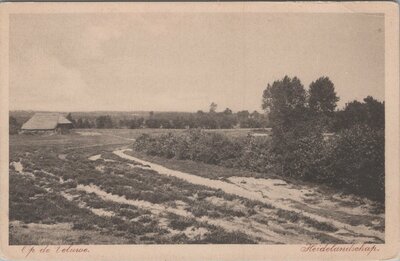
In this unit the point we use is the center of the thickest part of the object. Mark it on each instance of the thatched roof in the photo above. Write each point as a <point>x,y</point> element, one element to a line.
<point>45,121</point>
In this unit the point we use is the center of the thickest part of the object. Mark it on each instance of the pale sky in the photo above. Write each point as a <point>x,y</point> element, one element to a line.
<point>183,62</point>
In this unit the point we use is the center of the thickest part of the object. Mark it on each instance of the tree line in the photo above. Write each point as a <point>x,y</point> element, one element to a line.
<point>318,102</point>
<point>212,119</point>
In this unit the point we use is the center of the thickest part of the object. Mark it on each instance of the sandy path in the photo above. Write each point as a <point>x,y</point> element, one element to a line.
<point>346,232</point>
<point>266,235</point>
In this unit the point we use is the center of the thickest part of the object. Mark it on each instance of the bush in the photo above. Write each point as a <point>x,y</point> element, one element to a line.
<point>252,154</point>
<point>304,157</point>
<point>181,223</point>
<point>353,161</point>
<point>358,162</point>
<point>220,236</point>
<point>212,148</point>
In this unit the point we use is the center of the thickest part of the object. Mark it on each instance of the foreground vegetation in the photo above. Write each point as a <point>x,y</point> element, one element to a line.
<point>72,189</point>
<point>48,191</point>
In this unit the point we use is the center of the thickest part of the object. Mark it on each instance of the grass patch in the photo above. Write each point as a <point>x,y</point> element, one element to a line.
<point>220,236</point>
<point>180,223</point>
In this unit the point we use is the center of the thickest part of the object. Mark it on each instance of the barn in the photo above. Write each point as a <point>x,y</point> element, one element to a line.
<point>47,121</point>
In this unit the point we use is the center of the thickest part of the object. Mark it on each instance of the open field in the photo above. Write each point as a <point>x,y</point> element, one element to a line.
<point>87,187</point>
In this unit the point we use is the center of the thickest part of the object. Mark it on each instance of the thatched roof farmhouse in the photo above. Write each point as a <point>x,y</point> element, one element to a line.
<point>45,121</point>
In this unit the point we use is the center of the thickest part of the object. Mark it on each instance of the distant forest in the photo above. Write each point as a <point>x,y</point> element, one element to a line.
<point>322,100</point>
<point>369,112</point>
<point>211,119</point>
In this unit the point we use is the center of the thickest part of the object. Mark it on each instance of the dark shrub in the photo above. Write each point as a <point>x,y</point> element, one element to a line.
<point>358,162</point>
<point>353,160</point>
<point>220,236</point>
<point>211,148</point>
<point>181,223</point>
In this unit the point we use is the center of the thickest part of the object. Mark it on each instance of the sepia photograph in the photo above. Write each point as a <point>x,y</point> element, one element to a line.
<point>163,126</point>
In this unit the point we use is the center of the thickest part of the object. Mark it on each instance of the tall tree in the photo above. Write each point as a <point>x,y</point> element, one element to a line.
<point>322,97</point>
<point>322,103</point>
<point>213,107</point>
<point>285,102</point>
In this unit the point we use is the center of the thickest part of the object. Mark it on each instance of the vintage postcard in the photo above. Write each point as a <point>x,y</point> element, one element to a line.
<point>199,131</point>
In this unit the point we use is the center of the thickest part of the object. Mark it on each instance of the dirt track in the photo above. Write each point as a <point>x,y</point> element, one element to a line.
<point>353,223</point>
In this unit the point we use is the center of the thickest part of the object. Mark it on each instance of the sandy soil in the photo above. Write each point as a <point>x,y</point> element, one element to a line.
<point>354,224</point>
<point>352,221</point>
<point>95,157</point>
<point>88,133</point>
